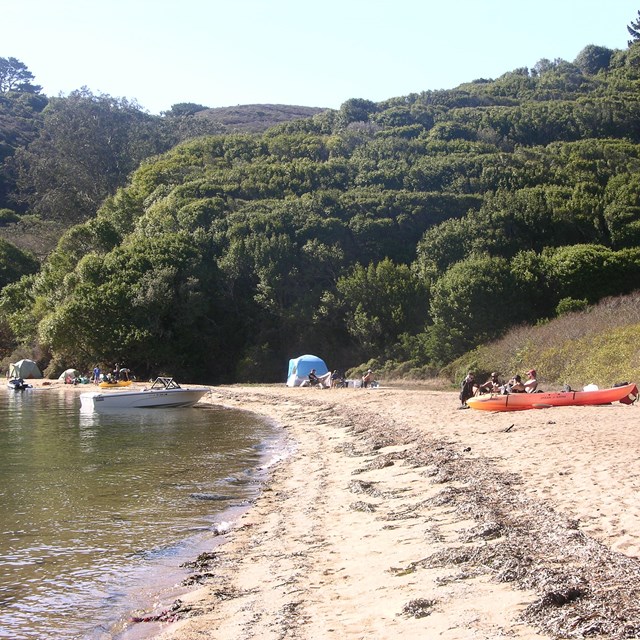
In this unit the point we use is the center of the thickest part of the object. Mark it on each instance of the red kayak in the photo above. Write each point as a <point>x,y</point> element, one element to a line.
<point>626,394</point>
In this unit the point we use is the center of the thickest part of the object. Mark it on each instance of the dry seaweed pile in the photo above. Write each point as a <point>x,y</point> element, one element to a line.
<point>584,589</point>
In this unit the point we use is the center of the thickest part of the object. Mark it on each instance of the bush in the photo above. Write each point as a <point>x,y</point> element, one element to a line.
<point>567,305</point>
<point>7,216</point>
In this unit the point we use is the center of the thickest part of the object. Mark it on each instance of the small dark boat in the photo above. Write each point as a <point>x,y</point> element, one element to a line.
<point>18,384</point>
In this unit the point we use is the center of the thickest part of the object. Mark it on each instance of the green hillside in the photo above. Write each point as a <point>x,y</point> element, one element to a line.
<point>407,232</point>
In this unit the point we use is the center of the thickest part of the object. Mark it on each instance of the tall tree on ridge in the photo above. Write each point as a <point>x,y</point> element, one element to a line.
<point>634,30</point>
<point>15,76</point>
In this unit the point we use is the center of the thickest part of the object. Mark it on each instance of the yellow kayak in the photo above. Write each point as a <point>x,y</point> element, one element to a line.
<point>113,385</point>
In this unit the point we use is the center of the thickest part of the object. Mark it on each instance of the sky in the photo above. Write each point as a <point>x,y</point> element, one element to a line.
<point>295,52</point>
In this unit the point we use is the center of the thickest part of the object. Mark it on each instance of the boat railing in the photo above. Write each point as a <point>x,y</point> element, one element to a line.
<point>165,383</point>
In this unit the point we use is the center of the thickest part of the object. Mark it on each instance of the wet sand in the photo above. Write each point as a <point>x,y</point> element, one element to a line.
<point>400,515</point>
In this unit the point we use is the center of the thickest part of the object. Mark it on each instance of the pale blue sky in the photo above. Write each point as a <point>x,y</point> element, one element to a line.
<point>295,52</point>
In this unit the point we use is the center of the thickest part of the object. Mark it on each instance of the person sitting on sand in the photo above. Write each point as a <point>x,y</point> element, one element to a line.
<point>337,379</point>
<point>514,385</point>
<point>492,385</point>
<point>532,383</point>
<point>313,378</point>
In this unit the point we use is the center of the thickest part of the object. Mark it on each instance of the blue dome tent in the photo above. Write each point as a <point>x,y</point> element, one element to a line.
<point>300,368</point>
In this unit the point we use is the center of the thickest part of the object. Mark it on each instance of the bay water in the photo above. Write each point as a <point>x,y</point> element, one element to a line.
<point>98,511</point>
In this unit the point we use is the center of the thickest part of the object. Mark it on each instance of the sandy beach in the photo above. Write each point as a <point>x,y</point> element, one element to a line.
<point>400,515</point>
<point>397,514</point>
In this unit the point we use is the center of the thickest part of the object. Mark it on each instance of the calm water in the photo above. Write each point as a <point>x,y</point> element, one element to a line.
<point>98,511</point>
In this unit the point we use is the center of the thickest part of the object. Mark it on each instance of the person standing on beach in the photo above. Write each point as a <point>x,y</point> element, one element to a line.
<point>468,389</point>
<point>96,375</point>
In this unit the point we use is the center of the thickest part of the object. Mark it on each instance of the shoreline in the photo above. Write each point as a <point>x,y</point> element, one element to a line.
<point>398,514</point>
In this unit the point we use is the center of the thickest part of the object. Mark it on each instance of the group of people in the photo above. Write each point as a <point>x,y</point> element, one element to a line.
<point>336,379</point>
<point>114,376</point>
<point>470,387</point>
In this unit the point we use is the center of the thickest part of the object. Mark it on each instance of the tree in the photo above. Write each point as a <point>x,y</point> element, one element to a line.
<point>15,76</point>
<point>184,109</point>
<point>88,146</point>
<point>20,118</point>
<point>380,302</point>
<point>356,110</point>
<point>634,30</point>
<point>591,272</point>
<point>544,65</point>
<point>14,263</point>
<point>622,210</point>
<point>593,59</point>
<point>474,302</point>
<point>154,301</point>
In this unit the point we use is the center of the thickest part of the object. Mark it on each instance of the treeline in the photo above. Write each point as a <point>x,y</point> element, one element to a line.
<point>61,157</point>
<point>410,231</point>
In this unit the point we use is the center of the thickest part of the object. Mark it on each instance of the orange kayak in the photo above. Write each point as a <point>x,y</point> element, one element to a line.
<point>626,394</point>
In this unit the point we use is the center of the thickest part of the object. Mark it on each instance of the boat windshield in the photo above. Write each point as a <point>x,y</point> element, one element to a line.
<point>165,383</point>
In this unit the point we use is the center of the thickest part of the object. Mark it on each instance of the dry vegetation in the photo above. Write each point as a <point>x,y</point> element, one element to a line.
<point>597,345</point>
<point>256,117</point>
<point>33,235</point>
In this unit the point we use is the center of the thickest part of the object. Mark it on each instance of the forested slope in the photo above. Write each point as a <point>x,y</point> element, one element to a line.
<point>410,230</point>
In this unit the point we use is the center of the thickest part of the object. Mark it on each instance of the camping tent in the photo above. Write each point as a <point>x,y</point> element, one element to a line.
<point>72,374</point>
<point>300,367</point>
<point>24,369</point>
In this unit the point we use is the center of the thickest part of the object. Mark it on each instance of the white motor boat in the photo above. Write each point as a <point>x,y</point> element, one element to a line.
<point>164,392</point>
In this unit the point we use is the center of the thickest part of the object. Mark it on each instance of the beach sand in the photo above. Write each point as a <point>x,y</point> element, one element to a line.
<point>399,515</point>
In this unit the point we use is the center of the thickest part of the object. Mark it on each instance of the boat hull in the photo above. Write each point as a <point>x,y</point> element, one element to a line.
<point>144,399</point>
<point>521,401</point>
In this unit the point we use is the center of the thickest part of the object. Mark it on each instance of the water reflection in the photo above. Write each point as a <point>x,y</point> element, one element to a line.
<point>90,502</point>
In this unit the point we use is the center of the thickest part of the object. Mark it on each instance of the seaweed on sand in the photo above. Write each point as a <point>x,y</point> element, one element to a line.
<point>582,588</point>
<point>418,608</point>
